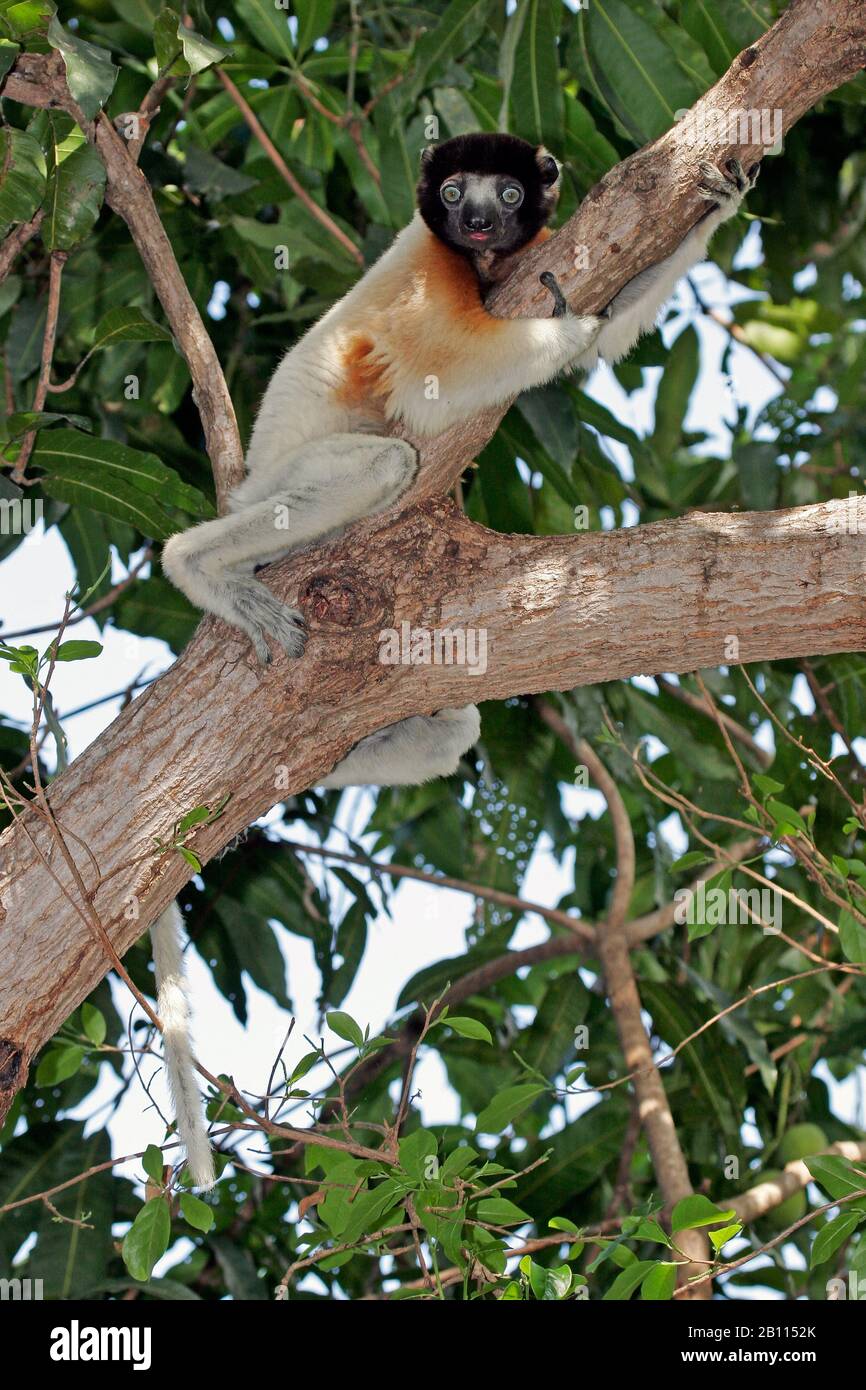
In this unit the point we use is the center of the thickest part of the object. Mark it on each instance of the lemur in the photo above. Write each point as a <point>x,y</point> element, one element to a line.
<point>319,452</point>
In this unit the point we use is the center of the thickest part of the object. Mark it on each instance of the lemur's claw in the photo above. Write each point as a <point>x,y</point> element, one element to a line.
<point>550,282</point>
<point>726,188</point>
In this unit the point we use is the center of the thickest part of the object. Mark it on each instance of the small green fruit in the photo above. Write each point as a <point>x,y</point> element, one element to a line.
<point>799,1142</point>
<point>788,1211</point>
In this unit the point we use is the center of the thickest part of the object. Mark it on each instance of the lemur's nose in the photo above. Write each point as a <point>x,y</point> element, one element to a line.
<point>478,223</point>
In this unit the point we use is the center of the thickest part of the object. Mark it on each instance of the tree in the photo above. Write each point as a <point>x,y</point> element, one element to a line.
<point>273,157</point>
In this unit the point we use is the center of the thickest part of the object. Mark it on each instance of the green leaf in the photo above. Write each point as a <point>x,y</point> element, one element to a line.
<point>104,472</point>
<point>127,326</point>
<point>852,938</point>
<point>634,71</point>
<point>836,1175</point>
<point>702,19</point>
<point>689,861</point>
<point>468,1028</point>
<point>269,25</point>
<point>506,1106</point>
<point>625,1283</point>
<point>146,1241</point>
<point>76,186</point>
<point>198,51</point>
<point>314,21</point>
<point>111,497</point>
<point>25,420</point>
<point>788,821</point>
<point>58,1064</point>
<point>345,1027</point>
<point>196,1212</point>
<point>197,816</point>
<point>22,176</point>
<point>26,19</point>
<point>204,173</point>
<point>659,1284</point>
<point>768,786</point>
<point>90,73</point>
<point>536,92</point>
<point>22,660</point>
<point>79,650</point>
<point>697,1211</point>
<point>834,1234</point>
<point>93,1023</point>
<point>166,44</point>
<point>155,608</point>
<point>549,1285</point>
<point>759,477</point>
<point>499,1211</point>
<point>721,1237</point>
<point>8,53</point>
<point>415,1152</point>
<point>152,1162</point>
<point>674,393</point>
<point>454,31</point>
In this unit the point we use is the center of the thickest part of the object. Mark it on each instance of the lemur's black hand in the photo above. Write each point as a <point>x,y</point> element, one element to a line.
<point>550,282</point>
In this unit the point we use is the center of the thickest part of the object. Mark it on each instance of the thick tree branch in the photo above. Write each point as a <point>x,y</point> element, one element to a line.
<point>557,611</point>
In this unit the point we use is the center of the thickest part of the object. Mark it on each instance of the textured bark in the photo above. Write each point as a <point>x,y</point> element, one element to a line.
<point>558,612</point>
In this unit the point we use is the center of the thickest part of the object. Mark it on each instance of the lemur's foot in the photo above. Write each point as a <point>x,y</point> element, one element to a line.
<point>560,304</point>
<point>287,629</point>
<point>727,190</point>
<point>391,471</point>
<point>262,615</point>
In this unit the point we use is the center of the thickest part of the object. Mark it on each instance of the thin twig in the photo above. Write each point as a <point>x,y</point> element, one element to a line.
<point>283,169</point>
<point>17,240</point>
<point>49,337</point>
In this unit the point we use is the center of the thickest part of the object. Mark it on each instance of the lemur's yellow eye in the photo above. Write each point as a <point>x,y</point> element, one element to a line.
<point>511,195</point>
<point>451,194</point>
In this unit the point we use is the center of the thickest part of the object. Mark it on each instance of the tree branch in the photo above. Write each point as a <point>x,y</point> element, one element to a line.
<point>38,80</point>
<point>612,944</point>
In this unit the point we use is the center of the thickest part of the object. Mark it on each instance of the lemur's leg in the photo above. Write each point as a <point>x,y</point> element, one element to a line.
<point>636,307</point>
<point>326,484</point>
<point>413,751</point>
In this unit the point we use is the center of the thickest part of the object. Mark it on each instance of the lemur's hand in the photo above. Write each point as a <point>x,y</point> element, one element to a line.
<point>550,282</point>
<point>726,190</point>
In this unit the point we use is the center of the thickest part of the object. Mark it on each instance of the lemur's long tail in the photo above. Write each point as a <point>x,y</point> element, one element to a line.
<point>173,1009</point>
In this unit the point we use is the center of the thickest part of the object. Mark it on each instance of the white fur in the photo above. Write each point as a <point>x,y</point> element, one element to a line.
<point>172,1005</point>
<point>413,751</point>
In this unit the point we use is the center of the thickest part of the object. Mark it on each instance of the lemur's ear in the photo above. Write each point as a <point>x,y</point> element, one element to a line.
<point>547,166</point>
<point>426,155</point>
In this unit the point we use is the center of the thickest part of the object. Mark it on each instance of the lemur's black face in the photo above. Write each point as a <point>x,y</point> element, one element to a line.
<point>482,211</point>
<point>487,193</point>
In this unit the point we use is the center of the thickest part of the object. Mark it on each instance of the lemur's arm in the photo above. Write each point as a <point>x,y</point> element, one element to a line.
<point>635,309</point>
<point>491,361</point>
